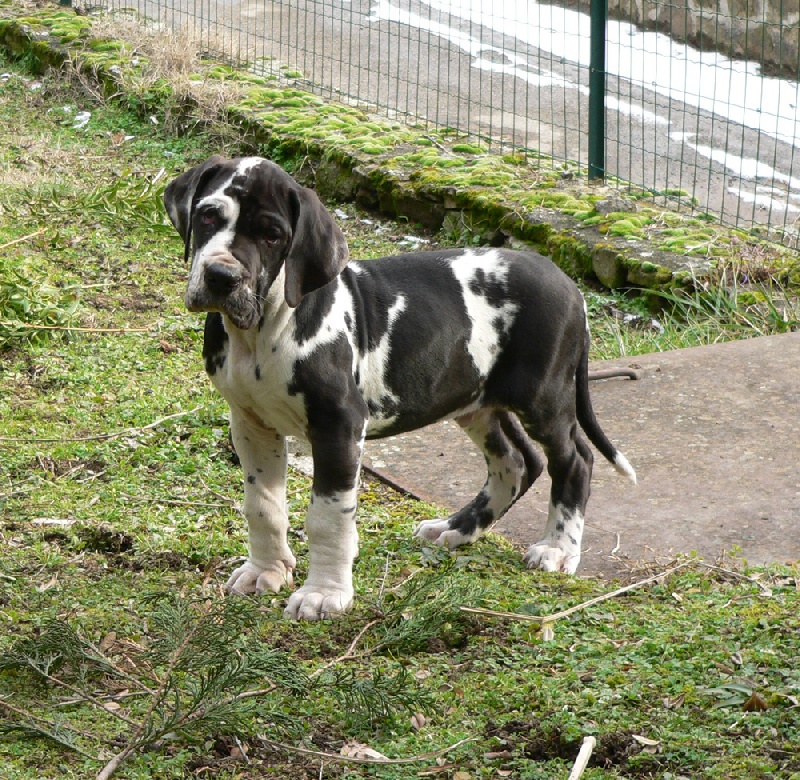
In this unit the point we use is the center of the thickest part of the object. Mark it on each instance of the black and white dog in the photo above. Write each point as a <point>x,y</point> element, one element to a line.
<point>302,344</point>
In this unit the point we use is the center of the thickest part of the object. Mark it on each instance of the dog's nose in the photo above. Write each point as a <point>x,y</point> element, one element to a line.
<point>222,278</point>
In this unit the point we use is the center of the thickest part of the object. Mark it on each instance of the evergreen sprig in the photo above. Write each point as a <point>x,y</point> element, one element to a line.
<point>427,607</point>
<point>202,671</point>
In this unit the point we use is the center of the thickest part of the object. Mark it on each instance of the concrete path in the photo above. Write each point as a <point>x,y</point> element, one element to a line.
<point>713,433</point>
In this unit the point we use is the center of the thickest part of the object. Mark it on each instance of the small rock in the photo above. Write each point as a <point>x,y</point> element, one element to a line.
<point>614,203</point>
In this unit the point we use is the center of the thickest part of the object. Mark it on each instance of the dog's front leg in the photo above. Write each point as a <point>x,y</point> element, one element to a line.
<point>262,452</point>
<point>331,521</point>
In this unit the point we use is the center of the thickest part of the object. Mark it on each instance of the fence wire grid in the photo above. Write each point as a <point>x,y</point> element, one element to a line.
<point>708,126</point>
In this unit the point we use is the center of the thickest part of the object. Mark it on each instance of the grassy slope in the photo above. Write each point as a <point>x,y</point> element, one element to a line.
<point>89,527</point>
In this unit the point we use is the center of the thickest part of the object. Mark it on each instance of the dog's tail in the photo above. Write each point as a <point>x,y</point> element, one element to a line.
<point>588,421</point>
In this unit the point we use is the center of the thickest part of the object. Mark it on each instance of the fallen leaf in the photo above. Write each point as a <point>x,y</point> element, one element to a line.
<point>672,704</point>
<point>648,745</point>
<point>108,640</point>
<point>462,776</point>
<point>756,703</point>
<point>238,753</point>
<point>418,721</point>
<point>357,750</point>
<point>52,582</point>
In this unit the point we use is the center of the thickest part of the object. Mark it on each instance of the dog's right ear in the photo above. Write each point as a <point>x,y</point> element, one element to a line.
<point>181,195</point>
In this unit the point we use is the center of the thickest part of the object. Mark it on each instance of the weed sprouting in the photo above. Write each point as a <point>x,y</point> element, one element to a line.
<point>700,313</point>
<point>31,305</point>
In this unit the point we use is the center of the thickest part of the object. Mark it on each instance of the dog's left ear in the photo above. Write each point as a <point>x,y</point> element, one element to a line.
<point>318,252</point>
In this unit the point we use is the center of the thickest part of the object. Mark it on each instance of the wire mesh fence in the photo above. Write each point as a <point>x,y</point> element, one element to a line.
<point>704,125</point>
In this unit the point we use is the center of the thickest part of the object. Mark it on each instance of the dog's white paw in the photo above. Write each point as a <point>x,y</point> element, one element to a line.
<point>546,556</point>
<point>317,603</point>
<point>250,578</point>
<point>440,533</point>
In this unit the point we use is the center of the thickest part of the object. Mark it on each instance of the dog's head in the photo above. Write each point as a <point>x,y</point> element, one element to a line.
<point>243,222</point>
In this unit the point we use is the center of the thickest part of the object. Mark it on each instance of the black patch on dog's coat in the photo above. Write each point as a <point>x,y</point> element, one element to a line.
<point>215,341</point>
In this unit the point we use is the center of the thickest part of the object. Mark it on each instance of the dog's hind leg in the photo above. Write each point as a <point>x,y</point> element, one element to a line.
<point>512,466</point>
<point>569,464</point>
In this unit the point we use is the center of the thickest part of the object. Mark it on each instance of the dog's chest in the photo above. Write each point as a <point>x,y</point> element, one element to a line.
<point>256,377</point>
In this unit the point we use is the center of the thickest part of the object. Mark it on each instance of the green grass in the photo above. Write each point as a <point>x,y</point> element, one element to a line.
<point>101,514</point>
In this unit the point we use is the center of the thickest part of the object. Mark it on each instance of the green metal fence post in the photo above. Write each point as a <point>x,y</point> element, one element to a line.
<point>597,90</point>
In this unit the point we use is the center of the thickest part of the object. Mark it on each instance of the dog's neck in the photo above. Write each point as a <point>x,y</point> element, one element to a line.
<point>276,316</point>
<point>242,341</point>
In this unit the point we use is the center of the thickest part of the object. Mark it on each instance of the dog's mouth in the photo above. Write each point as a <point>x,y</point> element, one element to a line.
<point>223,286</point>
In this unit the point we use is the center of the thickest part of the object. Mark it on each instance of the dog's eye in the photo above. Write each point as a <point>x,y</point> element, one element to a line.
<point>272,237</point>
<point>209,218</point>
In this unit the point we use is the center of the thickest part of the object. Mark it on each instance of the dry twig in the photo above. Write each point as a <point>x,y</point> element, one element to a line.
<point>348,653</point>
<point>582,761</point>
<point>765,589</point>
<point>352,760</point>
<point>20,240</point>
<point>547,619</point>
<point>30,326</point>
<point>103,436</point>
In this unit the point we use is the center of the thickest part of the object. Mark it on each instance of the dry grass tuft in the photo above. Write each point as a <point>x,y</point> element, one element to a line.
<point>167,56</point>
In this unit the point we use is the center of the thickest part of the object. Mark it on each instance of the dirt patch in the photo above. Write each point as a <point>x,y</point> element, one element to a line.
<point>261,761</point>
<point>140,302</point>
<point>541,744</point>
<point>104,539</point>
<point>60,468</point>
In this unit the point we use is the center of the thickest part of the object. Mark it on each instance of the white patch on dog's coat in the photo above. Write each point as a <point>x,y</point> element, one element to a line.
<point>332,326</point>
<point>623,467</point>
<point>372,370</point>
<point>484,339</point>
<point>220,242</point>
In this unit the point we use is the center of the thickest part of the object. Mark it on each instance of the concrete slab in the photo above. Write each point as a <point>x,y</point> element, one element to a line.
<point>713,433</point>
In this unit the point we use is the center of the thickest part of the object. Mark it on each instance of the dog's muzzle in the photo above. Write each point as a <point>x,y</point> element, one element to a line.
<point>220,286</point>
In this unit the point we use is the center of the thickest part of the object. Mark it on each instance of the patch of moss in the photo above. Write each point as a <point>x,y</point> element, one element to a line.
<point>625,228</point>
<point>97,44</point>
<point>751,297</point>
<point>468,149</point>
<point>570,254</point>
<point>643,273</point>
